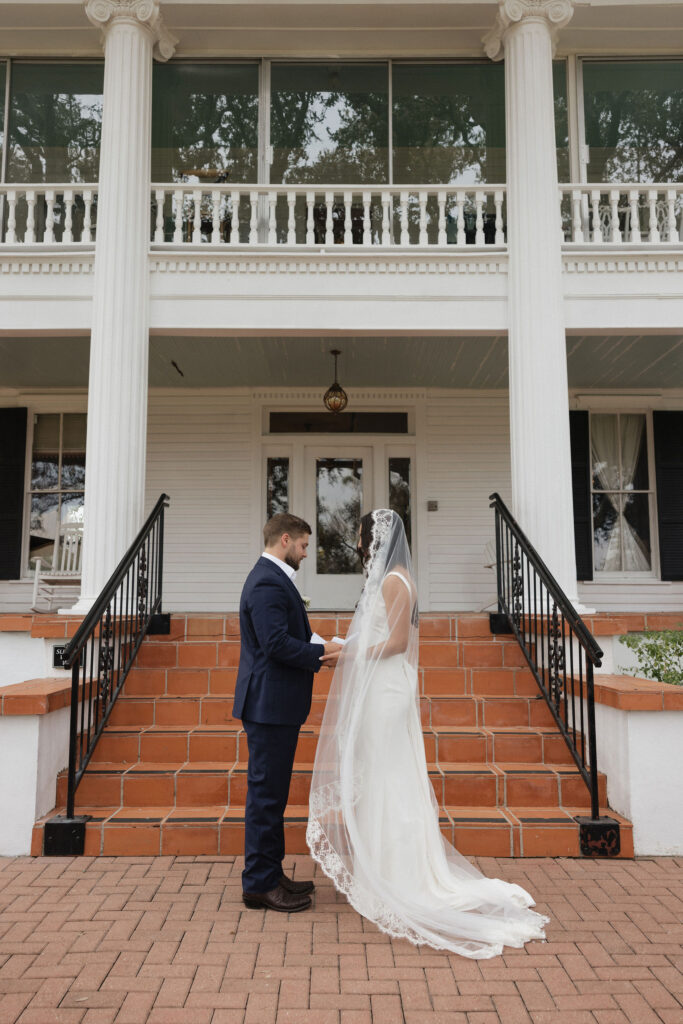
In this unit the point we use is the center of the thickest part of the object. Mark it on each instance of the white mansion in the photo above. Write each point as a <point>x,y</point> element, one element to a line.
<point>479,204</point>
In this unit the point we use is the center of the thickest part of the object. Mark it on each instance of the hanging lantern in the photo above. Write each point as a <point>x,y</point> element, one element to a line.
<point>335,398</point>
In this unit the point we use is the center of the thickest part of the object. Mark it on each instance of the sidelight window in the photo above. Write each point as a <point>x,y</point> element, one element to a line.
<point>57,481</point>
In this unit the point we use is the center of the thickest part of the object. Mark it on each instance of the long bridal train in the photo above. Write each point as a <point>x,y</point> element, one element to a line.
<point>374,822</point>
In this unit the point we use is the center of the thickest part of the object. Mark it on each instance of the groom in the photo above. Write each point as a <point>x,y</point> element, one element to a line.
<point>273,698</point>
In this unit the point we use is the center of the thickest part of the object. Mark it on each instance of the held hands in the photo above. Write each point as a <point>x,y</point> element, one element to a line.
<point>331,655</point>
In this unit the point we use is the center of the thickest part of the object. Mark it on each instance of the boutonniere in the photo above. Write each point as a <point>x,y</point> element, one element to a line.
<point>306,601</point>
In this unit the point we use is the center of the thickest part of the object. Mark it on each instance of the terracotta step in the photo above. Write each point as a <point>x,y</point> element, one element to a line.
<point>210,830</point>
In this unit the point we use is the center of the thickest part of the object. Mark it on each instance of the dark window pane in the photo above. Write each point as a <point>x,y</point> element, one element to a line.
<point>73,431</point>
<point>55,122</point>
<point>277,487</point>
<point>448,123</point>
<point>46,432</point>
<point>636,527</point>
<point>634,120</point>
<point>561,119</point>
<point>205,123</point>
<point>73,470</point>
<point>606,539</point>
<point>399,492</point>
<point>3,79</point>
<point>43,528</point>
<point>45,471</point>
<point>329,123</point>
<point>339,423</point>
<point>339,497</point>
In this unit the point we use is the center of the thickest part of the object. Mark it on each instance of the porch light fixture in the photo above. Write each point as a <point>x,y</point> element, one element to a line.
<point>335,398</point>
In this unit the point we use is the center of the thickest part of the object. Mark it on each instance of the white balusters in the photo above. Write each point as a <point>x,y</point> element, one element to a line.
<point>577,219</point>
<point>86,234</point>
<point>30,233</point>
<point>386,218</point>
<point>160,197</point>
<point>329,222</point>
<point>615,235</point>
<point>197,216</point>
<point>403,200</point>
<point>652,204</point>
<point>479,222</point>
<point>291,220</point>
<point>216,217</point>
<point>422,199</point>
<point>68,199</point>
<point>253,219</point>
<point>11,233</point>
<point>234,217</point>
<point>442,238</point>
<point>310,221</point>
<point>178,215</point>
<point>367,223</point>
<point>460,224</point>
<point>49,235</point>
<point>348,227</point>
<point>595,215</point>
<point>672,229</point>
<point>500,227</point>
<point>272,218</point>
<point>634,215</point>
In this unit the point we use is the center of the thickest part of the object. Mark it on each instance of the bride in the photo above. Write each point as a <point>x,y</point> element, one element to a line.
<point>374,821</point>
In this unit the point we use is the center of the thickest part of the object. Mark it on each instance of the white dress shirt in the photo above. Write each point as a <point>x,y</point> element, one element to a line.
<point>287,569</point>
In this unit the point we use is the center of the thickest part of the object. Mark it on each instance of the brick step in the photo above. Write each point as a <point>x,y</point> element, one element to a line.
<point>463,709</point>
<point>194,784</point>
<point>210,830</point>
<point>228,743</point>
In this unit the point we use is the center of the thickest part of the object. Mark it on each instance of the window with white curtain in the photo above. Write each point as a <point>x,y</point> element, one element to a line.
<point>622,496</point>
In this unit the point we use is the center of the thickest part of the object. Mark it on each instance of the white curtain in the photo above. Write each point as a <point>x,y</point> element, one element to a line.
<point>605,461</point>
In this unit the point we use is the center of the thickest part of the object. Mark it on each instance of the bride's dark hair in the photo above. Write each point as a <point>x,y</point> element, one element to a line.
<point>366,532</point>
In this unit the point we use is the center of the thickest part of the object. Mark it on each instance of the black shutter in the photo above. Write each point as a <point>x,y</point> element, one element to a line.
<point>668,430</point>
<point>581,490</point>
<point>12,462</point>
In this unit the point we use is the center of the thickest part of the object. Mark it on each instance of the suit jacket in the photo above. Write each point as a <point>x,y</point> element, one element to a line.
<point>277,661</point>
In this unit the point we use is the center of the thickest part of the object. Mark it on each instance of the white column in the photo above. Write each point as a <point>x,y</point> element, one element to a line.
<point>117,388</point>
<point>539,399</point>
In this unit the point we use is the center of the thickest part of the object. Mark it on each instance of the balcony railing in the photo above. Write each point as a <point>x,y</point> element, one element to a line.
<point>48,214</point>
<point>622,214</point>
<point>341,215</point>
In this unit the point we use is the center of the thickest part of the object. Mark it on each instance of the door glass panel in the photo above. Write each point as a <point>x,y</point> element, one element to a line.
<point>634,127</point>
<point>329,123</point>
<point>339,497</point>
<point>399,492</point>
<point>277,499</point>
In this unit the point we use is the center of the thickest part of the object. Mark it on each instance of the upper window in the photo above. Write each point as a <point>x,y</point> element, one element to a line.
<point>634,120</point>
<point>57,480</point>
<point>3,83</point>
<point>621,493</point>
<point>55,120</point>
<point>329,123</point>
<point>205,122</point>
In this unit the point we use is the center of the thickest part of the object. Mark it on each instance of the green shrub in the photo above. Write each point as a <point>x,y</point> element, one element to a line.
<point>659,654</point>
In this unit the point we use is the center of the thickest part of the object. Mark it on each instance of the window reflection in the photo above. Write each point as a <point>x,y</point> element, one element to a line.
<point>57,480</point>
<point>277,487</point>
<point>399,492</point>
<point>339,496</point>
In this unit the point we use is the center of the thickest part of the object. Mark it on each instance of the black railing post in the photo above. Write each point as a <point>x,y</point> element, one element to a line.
<point>560,624</point>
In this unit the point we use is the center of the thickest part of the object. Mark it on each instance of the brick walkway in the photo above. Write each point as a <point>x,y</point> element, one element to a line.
<point>167,941</point>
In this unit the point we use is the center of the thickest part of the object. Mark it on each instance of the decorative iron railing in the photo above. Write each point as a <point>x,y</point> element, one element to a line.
<point>100,656</point>
<point>561,653</point>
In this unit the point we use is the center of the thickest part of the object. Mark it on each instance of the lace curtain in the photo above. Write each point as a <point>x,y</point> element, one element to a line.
<point>618,546</point>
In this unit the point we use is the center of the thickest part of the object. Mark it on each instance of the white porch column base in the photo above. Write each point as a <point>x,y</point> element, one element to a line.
<point>117,389</point>
<point>539,397</point>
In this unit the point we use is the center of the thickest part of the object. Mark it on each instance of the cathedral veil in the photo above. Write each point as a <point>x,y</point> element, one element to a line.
<point>373,817</point>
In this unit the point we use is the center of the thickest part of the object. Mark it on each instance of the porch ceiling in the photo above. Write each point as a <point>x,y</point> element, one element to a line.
<point>330,29</point>
<point>618,361</point>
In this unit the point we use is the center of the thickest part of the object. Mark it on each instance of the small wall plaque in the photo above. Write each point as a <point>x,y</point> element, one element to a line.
<point>432,506</point>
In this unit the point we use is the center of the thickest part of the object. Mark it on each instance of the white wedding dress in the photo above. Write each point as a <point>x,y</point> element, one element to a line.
<point>374,820</point>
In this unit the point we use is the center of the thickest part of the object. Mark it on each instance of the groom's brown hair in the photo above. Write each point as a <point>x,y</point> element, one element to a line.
<point>281,523</point>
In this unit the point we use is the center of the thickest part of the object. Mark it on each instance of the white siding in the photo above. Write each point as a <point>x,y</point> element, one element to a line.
<point>199,451</point>
<point>463,458</point>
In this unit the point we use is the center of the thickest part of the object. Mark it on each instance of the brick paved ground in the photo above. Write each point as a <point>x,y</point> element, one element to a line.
<point>167,941</point>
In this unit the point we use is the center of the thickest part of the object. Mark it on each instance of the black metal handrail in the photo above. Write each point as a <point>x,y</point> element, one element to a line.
<point>561,653</point>
<point>104,647</point>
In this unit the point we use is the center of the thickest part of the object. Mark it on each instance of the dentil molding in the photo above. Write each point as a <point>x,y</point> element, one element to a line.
<point>103,13</point>
<point>556,13</point>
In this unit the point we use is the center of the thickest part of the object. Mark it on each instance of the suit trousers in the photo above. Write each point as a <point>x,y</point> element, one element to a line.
<point>269,773</point>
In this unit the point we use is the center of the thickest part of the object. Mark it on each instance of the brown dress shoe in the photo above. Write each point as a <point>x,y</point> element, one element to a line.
<point>297,888</point>
<point>277,899</point>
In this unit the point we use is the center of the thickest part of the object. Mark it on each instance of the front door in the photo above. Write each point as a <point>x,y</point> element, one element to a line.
<point>338,482</point>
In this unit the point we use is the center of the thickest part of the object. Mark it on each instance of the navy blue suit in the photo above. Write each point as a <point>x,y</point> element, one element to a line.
<point>273,698</point>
